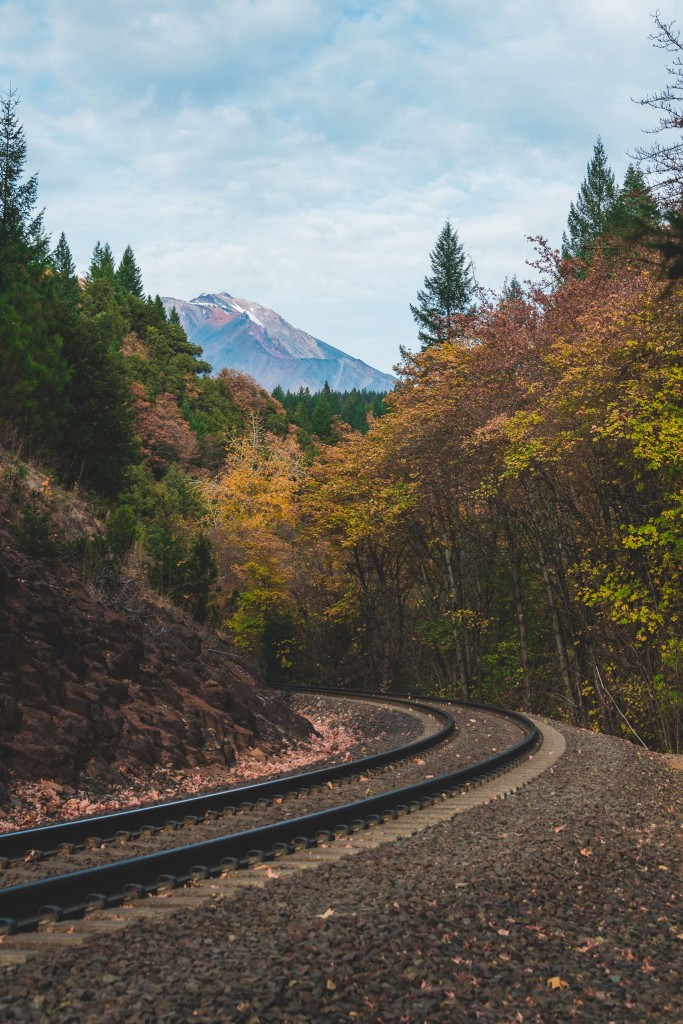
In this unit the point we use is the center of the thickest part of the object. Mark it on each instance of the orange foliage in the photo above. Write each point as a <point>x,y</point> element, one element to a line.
<point>165,436</point>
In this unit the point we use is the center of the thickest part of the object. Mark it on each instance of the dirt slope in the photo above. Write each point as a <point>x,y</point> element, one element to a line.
<point>93,680</point>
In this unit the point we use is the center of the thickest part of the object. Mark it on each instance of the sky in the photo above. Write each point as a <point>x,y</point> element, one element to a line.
<point>305,154</point>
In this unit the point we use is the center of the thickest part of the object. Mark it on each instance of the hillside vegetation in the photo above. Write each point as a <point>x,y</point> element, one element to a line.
<point>506,526</point>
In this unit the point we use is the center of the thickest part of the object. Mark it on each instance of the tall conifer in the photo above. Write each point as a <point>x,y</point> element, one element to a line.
<point>635,210</point>
<point>589,217</point>
<point>32,369</point>
<point>128,274</point>
<point>447,293</point>
<point>102,265</point>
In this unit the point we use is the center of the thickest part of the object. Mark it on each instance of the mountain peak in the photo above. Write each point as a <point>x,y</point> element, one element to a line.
<point>246,336</point>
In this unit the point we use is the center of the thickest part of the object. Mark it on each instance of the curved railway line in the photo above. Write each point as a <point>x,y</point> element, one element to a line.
<point>65,897</point>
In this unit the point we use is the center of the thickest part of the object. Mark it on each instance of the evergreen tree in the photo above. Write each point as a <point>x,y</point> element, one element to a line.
<point>156,312</point>
<point>66,285</point>
<point>447,293</point>
<point>62,260</point>
<point>128,274</point>
<point>321,416</point>
<point>590,216</point>
<point>17,197</point>
<point>635,210</point>
<point>512,290</point>
<point>99,433</point>
<point>32,369</point>
<point>102,264</point>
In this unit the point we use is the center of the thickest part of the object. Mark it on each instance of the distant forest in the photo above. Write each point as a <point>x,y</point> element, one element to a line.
<point>506,525</point>
<point>317,413</point>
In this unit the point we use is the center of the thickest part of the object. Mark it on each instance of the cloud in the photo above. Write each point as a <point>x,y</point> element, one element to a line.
<point>306,154</point>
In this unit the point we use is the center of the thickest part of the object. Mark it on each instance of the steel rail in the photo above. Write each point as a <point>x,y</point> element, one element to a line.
<point>46,839</point>
<point>24,907</point>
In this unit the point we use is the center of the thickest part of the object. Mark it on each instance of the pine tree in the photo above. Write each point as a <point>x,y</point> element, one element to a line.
<point>635,210</point>
<point>589,217</point>
<point>66,285</point>
<point>512,290</point>
<point>156,312</point>
<point>669,243</point>
<point>62,260</point>
<point>102,266</point>
<point>447,293</point>
<point>17,197</point>
<point>321,416</point>
<point>99,434</point>
<point>128,274</point>
<point>32,369</point>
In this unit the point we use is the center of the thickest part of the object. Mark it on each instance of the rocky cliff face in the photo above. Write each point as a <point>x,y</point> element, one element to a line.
<point>95,680</point>
<point>246,336</point>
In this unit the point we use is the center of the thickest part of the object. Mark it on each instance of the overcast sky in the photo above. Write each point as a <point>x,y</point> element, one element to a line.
<point>306,153</point>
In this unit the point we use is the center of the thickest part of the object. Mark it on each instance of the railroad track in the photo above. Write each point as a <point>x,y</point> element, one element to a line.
<point>65,897</point>
<point>122,826</point>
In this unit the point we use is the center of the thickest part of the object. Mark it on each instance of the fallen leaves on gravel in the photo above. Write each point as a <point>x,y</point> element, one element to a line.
<point>557,982</point>
<point>37,803</point>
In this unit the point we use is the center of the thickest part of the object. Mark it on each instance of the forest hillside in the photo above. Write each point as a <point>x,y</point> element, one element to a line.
<point>505,526</point>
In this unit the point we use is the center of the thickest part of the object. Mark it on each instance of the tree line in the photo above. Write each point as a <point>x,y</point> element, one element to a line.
<point>318,415</point>
<point>105,390</point>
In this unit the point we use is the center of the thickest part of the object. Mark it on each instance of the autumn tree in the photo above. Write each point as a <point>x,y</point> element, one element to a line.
<point>255,514</point>
<point>662,162</point>
<point>502,532</point>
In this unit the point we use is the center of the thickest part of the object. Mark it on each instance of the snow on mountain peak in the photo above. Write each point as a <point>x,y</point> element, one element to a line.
<point>258,341</point>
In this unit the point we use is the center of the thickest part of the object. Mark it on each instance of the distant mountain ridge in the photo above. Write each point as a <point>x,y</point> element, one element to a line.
<point>246,336</point>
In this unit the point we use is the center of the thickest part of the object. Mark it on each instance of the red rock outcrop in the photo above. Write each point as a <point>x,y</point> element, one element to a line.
<point>87,687</point>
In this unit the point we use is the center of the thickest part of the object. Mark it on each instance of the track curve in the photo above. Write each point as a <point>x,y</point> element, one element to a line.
<point>46,839</point>
<point>23,907</point>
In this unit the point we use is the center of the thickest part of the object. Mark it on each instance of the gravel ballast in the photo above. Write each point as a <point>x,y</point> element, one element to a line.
<point>477,734</point>
<point>556,904</point>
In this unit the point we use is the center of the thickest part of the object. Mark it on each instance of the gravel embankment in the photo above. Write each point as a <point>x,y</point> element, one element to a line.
<point>476,736</point>
<point>556,904</point>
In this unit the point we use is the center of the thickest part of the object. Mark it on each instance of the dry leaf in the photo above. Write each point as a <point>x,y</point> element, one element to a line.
<point>330,985</point>
<point>557,982</point>
<point>585,852</point>
<point>327,913</point>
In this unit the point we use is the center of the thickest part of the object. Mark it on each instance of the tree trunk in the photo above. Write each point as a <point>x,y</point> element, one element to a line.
<point>516,572</point>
